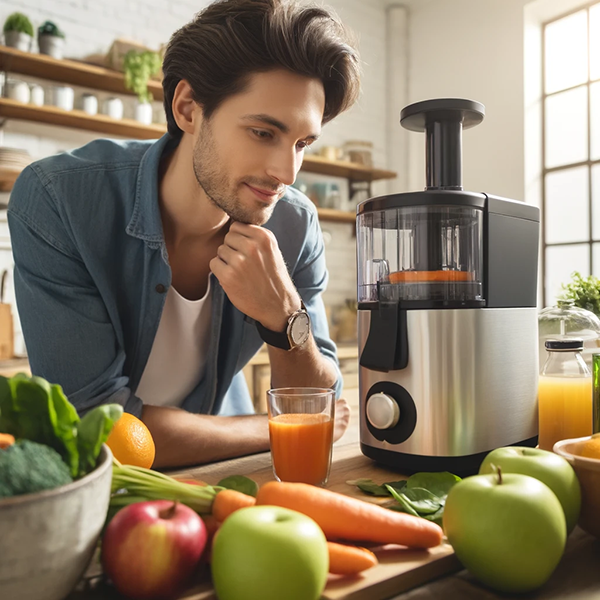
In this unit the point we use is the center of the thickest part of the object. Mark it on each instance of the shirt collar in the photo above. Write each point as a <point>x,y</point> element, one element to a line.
<point>146,223</point>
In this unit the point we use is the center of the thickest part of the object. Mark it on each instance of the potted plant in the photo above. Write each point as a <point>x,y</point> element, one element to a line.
<point>18,32</point>
<point>51,40</point>
<point>139,67</point>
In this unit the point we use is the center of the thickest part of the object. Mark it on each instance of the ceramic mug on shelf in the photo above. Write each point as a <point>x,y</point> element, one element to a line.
<point>36,94</point>
<point>62,97</point>
<point>17,90</point>
<point>113,108</point>
<point>89,104</point>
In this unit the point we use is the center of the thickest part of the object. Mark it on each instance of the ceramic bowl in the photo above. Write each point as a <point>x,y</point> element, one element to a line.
<point>48,538</point>
<point>588,473</point>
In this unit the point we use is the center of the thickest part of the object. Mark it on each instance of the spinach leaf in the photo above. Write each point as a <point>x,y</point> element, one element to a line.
<point>65,421</point>
<point>92,431</point>
<point>240,483</point>
<point>436,517</point>
<point>8,415</point>
<point>404,505</point>
<point>439,484</point>
<point>397,485</point>
<point>370,487</point>
<point>422,500</point>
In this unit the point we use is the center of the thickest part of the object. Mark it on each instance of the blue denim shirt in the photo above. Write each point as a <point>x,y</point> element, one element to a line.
<point>92,272</point>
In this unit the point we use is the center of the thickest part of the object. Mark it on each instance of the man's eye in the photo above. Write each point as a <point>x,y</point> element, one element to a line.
<point>303,145</point>
<point>261,134</point>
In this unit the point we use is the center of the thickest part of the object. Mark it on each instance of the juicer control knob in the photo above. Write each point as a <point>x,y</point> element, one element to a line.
<point>383,411</point>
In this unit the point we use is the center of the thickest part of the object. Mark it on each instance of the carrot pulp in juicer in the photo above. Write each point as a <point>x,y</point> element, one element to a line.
<point>420,276</point>
<point>301,446</point>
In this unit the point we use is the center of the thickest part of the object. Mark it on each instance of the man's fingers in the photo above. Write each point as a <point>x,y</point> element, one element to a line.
<point>225,253</point>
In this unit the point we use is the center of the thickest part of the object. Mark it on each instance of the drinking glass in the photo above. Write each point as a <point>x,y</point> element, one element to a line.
<point>301,423</point>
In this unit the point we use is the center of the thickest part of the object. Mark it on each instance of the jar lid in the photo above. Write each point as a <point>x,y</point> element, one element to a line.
<point>563,345</point>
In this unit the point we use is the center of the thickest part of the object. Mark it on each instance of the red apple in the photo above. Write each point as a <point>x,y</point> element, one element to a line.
<point>151,549</point>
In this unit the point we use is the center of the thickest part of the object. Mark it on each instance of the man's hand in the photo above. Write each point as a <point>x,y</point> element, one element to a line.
<point>251,270</point>
<point>342,419</point>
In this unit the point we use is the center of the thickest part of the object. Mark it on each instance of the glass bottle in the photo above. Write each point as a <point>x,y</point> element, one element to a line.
<point>565,320</point>
<point>564,394</point>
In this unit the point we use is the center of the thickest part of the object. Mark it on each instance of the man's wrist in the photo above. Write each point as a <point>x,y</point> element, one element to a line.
<point>278,320</point>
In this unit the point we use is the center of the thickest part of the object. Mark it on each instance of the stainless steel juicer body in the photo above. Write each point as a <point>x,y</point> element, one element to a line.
<point>447,322</point>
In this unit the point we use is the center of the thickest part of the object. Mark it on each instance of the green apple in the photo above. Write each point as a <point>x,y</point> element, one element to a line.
<point>269,552</point>
<point>508,530</point>
<point>549,468</point>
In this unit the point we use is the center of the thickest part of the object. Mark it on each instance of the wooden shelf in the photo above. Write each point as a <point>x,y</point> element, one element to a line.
<point>77,119</point>
<point>70,72</point>
<point>346,169</point>
<point>337,216</point>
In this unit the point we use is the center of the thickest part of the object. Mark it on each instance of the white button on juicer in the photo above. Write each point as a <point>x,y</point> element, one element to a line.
<point>382,411</point>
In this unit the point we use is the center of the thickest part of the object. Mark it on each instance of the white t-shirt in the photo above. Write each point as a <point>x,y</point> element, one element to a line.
<point>178,356</point>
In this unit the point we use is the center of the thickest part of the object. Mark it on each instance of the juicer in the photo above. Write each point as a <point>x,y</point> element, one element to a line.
<point>447,318</point>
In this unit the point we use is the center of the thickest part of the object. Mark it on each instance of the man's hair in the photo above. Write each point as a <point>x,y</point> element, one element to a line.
<point>230,40</point>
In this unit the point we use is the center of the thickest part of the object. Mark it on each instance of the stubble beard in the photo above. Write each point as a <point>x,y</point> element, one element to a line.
<point>217,186</point>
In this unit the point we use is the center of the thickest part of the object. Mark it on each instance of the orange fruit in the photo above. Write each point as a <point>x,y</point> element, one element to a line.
<point>591,448</point>
<point>131,442</point>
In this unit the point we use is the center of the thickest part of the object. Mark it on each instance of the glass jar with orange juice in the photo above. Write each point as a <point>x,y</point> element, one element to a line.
<point>301,433</point>
<point>564,394</point>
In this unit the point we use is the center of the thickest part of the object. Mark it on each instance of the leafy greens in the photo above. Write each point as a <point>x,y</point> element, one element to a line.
<point>33,409</point>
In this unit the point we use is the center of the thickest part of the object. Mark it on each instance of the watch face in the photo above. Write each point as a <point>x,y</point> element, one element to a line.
<point>300,329</point>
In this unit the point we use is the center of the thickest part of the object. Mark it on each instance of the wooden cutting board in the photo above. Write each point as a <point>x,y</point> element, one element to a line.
<point>399,568</point>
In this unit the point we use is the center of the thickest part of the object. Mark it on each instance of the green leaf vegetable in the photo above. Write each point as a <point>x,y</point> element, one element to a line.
<point>27,467</point>
<point>139,67</point>
<point>422,495</point>
<point>49,28</point>
<point>583,291</point>
<point>370,487</point>
<point>33,409</point>
<point>132,484</point>
<point>18,22</point>
<point>240,483</point>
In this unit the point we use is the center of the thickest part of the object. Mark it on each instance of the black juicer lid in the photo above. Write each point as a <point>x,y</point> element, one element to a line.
<point>443,120</point>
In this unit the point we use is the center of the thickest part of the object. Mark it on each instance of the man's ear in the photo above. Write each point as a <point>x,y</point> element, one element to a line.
<point>186,110</point>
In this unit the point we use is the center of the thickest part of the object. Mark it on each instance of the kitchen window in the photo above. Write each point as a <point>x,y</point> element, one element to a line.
<point>571,148</point>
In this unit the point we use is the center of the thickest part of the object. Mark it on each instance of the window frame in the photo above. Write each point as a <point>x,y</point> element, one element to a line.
<point>589,163</point>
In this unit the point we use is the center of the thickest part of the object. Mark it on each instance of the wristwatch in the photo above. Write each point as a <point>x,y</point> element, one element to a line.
<point>296,332</point>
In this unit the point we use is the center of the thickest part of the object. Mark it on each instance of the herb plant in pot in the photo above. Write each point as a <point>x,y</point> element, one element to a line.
<point>139,67</point>
<point>51,40</point>
<point>18,32</point>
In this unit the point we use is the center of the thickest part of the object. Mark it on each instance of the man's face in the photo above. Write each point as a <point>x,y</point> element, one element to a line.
<point>253,145</point>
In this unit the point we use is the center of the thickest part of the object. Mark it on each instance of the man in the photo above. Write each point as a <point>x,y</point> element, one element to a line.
<point>148,274</point>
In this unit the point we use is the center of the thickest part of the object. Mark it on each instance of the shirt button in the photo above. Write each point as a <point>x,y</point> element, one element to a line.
<point>160,288</point>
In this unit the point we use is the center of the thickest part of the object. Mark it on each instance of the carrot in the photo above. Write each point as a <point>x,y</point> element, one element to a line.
<point>228,501</point>
<point>349,560</point>
<point>343,517</point>
<point>191,481</point>
<point>6,440</point>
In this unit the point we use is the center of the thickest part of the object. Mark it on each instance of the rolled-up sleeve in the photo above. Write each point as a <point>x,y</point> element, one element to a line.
<point>310,278</point>
<point>68,333</point>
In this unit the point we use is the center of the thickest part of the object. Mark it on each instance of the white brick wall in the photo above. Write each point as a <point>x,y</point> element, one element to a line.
<point>91,26</point>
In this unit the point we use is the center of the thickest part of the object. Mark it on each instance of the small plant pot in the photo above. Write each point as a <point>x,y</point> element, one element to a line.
<point>19,40</point>
<point>143,113</point>
<point>51,45</point>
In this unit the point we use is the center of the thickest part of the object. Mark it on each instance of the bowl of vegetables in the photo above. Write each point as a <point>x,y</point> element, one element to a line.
<point>55,485</point>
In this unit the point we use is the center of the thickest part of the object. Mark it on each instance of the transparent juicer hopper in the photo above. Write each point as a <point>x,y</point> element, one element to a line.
<point>421,253</point>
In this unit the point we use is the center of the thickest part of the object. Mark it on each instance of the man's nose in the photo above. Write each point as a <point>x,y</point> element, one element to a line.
<point>284,165</point>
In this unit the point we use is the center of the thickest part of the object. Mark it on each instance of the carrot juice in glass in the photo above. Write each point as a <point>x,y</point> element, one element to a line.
<point>301,433</point>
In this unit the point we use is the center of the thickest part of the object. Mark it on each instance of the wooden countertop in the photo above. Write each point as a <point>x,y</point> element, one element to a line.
<point>576,575</point>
